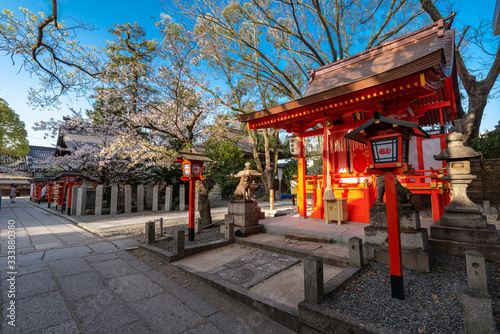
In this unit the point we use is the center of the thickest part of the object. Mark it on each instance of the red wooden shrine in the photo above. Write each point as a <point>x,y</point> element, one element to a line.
<point>411,78</point>
<point>62,189</point>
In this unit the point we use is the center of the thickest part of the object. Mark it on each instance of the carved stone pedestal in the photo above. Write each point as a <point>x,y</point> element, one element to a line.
<point>415,251</point>
<point>243,215</point>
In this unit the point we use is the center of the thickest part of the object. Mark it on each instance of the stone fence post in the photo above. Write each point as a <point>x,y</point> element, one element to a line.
<point>81,201</point>
<point>128,198</point>
<point>476,301</point>
<point>169,194</point>
<point>313,279</point>
<point>182,197</point>
<point>155,198</point>
<point>74,198</point>
<point>140,198</point>
<point>98,199</point>
<point>113,206</point>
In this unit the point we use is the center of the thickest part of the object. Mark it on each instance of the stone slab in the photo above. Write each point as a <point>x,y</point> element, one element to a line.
<point>409,217</point>
<point>413,241</point>
<point>421,261</point>
<point>309,238</point>
<point>244,208</point>
<point>253,268</point>
<point>114,268</point>
<point>82,285</point>
<point>242,231</point>
<point>479,236</point>
<point>278,287</point>
<point>103,313</point>
<point>134,287</point>
<point>478,311</point>
<point>467,220</point>
<point>172,314</point>
<point>69,267</point>
<point>244,221</point>
<point>33,315</point>
<point>490,252</point>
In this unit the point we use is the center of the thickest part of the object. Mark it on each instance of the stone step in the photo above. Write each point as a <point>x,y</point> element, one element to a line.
<point>309,238</point>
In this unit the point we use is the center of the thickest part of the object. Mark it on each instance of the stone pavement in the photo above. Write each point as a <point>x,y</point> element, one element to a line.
<point>67,280</point>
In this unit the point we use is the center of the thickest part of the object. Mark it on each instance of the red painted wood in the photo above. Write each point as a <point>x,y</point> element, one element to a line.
<point>302,200</point>
<point>393,225</point>
<point>191,202</point>
<point>420,153</point>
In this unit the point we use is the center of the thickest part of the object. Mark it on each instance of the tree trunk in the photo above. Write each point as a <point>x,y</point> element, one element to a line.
<point>204,204</point>
<point>477,91</point>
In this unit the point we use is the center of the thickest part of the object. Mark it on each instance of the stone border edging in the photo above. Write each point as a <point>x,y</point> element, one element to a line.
<point>188,251</point>
<point>76,222</point>
<point>278,312</point>
<point>292,251</point>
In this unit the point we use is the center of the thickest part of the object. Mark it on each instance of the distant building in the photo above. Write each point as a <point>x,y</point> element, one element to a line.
<point>27,168</point>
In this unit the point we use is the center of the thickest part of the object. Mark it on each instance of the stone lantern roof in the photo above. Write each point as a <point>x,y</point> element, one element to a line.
<point>456,149</point>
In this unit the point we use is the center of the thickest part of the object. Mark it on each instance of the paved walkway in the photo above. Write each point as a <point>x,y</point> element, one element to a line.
<point>67,280</point>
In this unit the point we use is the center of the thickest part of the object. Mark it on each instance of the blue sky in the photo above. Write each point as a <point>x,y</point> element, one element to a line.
<point>14,85</point>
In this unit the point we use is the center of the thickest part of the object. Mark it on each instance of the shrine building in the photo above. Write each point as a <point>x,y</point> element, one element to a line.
<point>411,78</point>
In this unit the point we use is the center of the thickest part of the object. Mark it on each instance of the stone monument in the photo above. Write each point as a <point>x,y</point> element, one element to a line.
<point>242,209</point>
<point>462,227</point>
<point>415,251</point>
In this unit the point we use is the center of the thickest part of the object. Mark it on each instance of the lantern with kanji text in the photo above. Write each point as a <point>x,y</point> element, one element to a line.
<point>388,140</point>
<point>192,170</point>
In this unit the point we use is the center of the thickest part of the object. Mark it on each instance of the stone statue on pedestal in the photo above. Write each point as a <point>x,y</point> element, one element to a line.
<point>242,211</point>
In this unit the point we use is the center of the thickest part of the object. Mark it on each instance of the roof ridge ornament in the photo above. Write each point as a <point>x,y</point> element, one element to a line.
<point>312,74</point>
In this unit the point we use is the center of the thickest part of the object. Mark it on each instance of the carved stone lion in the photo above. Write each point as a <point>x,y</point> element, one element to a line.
<point>404,195</point>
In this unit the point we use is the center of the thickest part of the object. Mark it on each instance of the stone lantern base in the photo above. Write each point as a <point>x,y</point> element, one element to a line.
<point>244,216</point>
<point>415,251</point>
<point>464,232</point>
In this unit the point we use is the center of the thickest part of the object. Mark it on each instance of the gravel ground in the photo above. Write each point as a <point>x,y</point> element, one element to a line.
<point>432,300</point>
<point>209,234</point>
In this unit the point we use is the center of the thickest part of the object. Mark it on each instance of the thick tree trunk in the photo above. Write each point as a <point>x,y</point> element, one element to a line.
<point>204,204</point>
<point>477,91</point>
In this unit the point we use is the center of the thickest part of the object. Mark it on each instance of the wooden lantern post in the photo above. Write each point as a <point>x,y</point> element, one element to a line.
<point>388,141</point>
<point>192,171</point>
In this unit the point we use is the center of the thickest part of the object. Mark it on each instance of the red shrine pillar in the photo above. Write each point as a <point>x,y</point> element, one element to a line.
<point>302,200</point>
<point>192,187</point>
<point>394,236</point>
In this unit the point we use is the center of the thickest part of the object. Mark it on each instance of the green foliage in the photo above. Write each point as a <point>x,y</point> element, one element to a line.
<point>13,135</point>
<point>488,144</point>
<point>228,160</point>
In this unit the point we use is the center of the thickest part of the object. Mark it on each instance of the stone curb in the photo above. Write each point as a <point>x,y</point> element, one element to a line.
<point>281,230</point>
<point>188,251</point>
<point>292,251</point>
<point>319,319</point>
<point>91,229</point>
<point>278,312</point>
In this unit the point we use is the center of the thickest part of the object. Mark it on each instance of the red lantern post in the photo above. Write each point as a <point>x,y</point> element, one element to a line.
<point>192,170</point>
<point>388,139</point>
<point>50,182</point>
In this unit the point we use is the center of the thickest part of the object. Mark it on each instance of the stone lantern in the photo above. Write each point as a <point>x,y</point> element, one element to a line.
<point>462,227</point>
<point>457,158</point>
